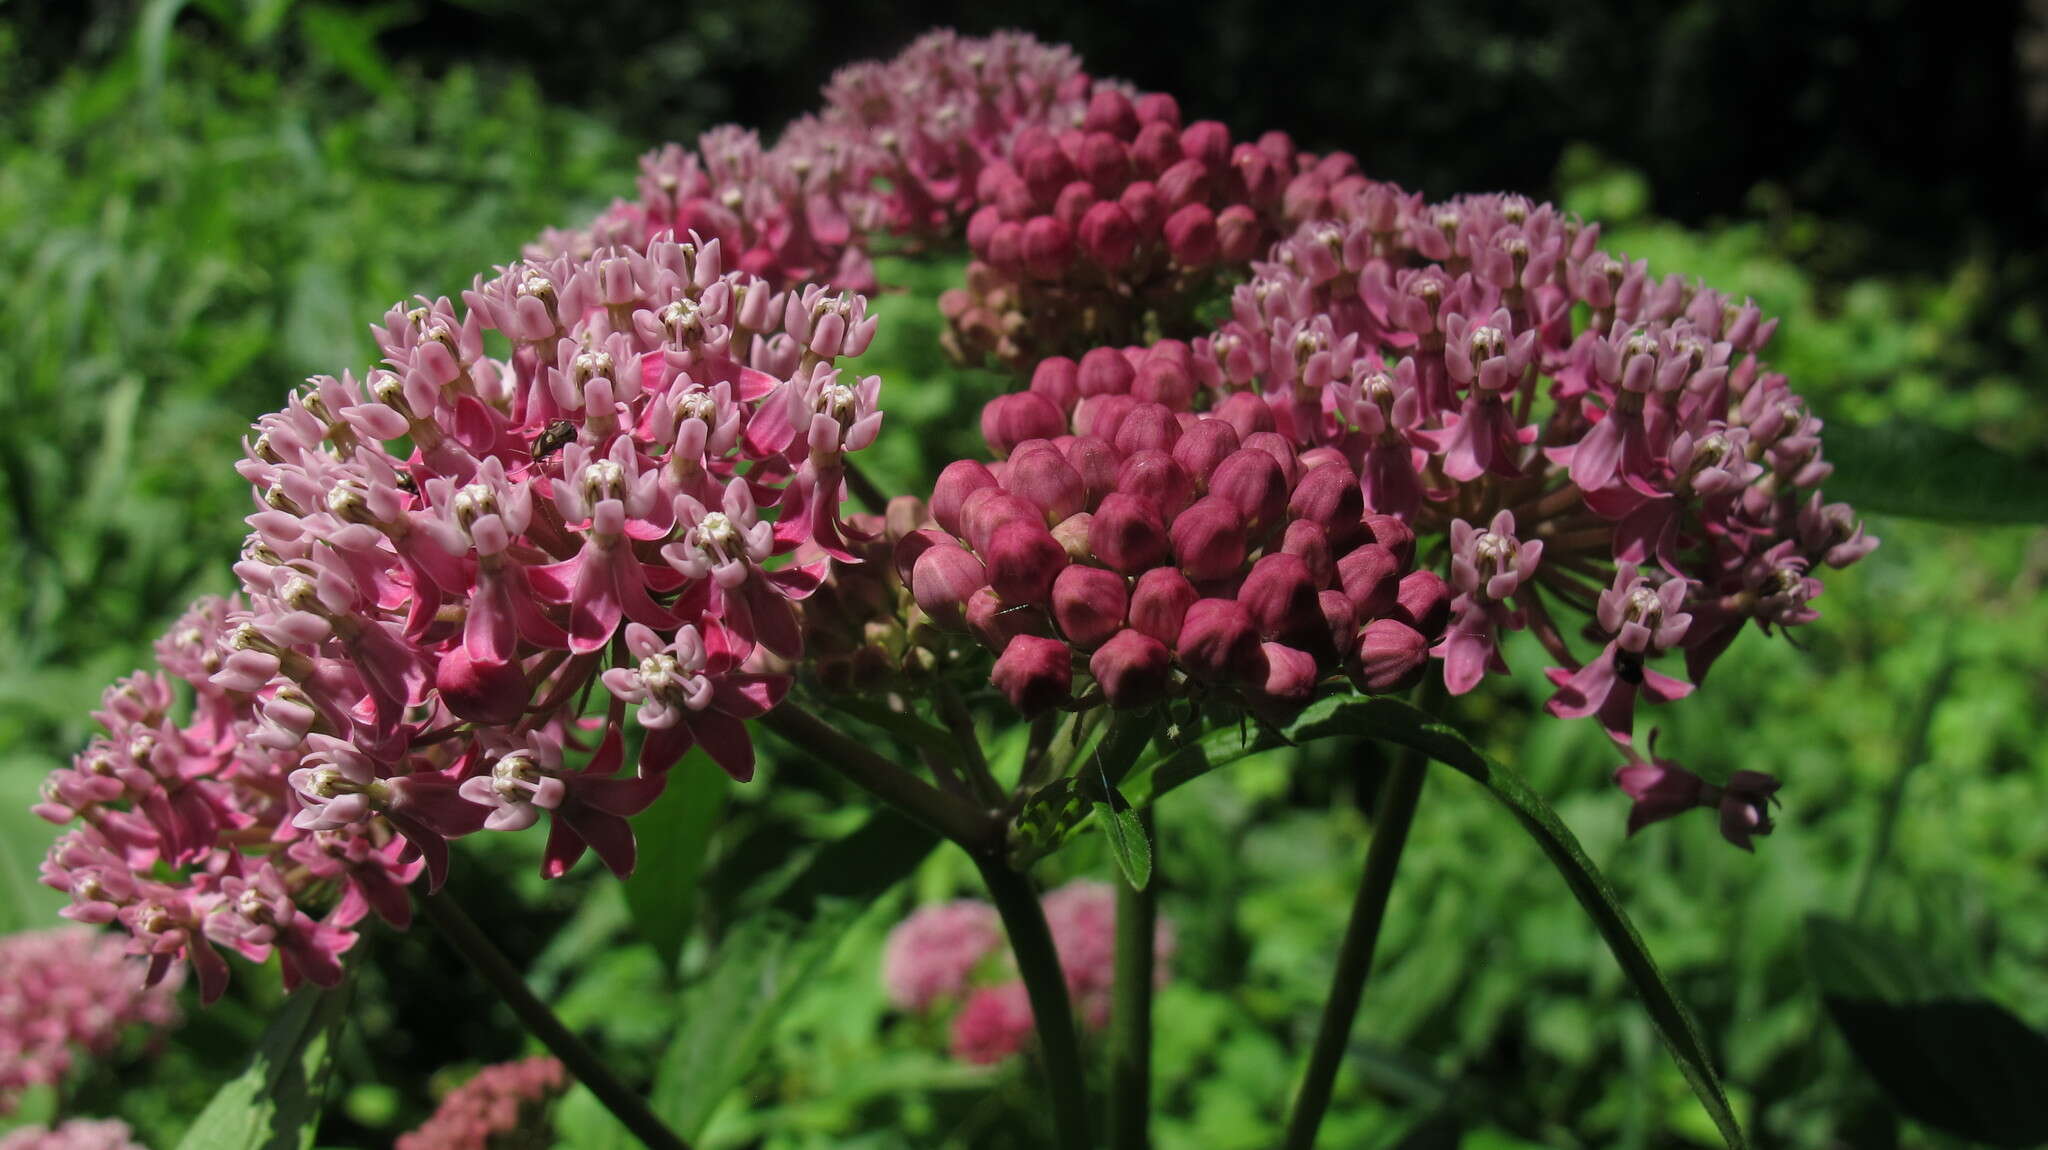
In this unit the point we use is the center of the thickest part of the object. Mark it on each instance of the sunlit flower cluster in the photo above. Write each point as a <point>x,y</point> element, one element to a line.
<point>67,993</point>
<point>502,1099</point>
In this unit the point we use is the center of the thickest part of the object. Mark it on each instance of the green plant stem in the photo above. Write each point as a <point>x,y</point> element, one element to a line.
<point>583,1064</point>
<point>1130,1023</point>
<point>952,816</point>
<point>1059,1047</point>
<point>1354,957</point>
<point>960,721</point>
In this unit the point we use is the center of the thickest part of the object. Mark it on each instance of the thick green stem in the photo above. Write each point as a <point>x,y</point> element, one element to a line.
<point>1354,957</point>
<point>582,1063</point>
<point>960,721</point>
<point>951,816</point>
<point>1130,1023</point>
<point>1059,1047</point>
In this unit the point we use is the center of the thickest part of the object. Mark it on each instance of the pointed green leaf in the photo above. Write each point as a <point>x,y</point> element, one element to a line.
<point>1395,721</point>
<point>1127,843</point>
<point>274,1104</point>
<point>674,837</point>
<point>1903,468</point>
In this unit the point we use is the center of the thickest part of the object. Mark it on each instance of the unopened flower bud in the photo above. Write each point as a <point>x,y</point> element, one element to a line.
<point>1142,202</point>
<point>1102,415</point>
<point>1133,669</point>
<point>1390,656</point>
<point>942,579</point>
<point>995,623</point>
<point>1203,446</point>
<point>1312,544</point>
<point>1246,413</point>
<point>1008,420</point>
<point>1280,594</point>
<point>1160,602</point>
<point>1034,673</point>
<point>1154,476</point>
<point>1393,534</point>
<point>1219,642</point>
<point>1159,108</point>
<point>1329,496</point>
<point>1290,675</point>
<point>1127,533</point>
<point>493,692</point>
<point>1111,111</point>
<point>1239,237</point>
<point>1048,247</point>
<point>1088,603</point>
<point>1165,379</point>
<point>1057,378</point>
<point>1043,476</point>
<point>1423,601</point>
<point>1148,427</point>
<point>1250,481</point>
<point>1209,538</point>
<point>1108,236</point>
<point>1371,579</point>
<point>1072,534</point>
<point>1191,236</point>
<point>990,508</point>
<point>1105,371</point>
<point>1097,463</point>
<point>1023,559</point>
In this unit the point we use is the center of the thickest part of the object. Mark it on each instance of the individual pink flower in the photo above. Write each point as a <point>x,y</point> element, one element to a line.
<point>689,695</point>
<point>588,809</point>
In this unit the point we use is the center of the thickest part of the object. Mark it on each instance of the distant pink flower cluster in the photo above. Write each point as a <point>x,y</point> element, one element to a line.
<point>932,959</point>
<point>77,1134</point>
<point>505,1098</point>
<point>65,992</point>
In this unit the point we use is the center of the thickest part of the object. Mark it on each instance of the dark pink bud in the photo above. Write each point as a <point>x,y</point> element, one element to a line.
<point>1191,236</point>
<point>915,544</point>
<point>1088,604</point>
<point>1133,669</point>
<point>1239,236</point>
<point>1057,378</point>
<point>1072,533</point>
<point>1072,206</point>
<point>1159,108</point>
<point>1045,169</point>
<point>1279,148</point>
<point>1104,162</point>
<point>1008,420</point>
<point>1165,379</point>
<point>1101,415</point>
<point>1153,475</point>
<point>1311,544</point>
<point>1105,371</point>
<point>1340,619</point>
<point>1329,497</point>
<point>1291,674</point>
<point>1218,641</point>
<point>1207,141</point>
<point>1127,533</point>
<point>490,691</point>
<point>1141,202</point>
<point>1393,534</point>
<point>1186,182</point>
<point>1275,445</point>
<point>1246,413</point>
<point>1371,579</point>
<point>1423,601</point>
<point>1097,463</point>
<point>1111,111</point>
<point>1280,594</point>
<point>1006,246</point>
<point>1156,149</point>
<point>1149,427</point>
<point>1034,673</point>
<point>1023,559</point>
<point>990,508</point>
<point>1107,235</point>
<point>942,580</point>
<point>961,478</point>
<point>1390,656</point>
<point>995,622</point>
<point>1160,602</point>
<point>1209,538</point>
<point>1043,476</point>
<point>982,225</point>
<point>1251,482</point>
<point>1204,445</point>
<point>1048,247</point>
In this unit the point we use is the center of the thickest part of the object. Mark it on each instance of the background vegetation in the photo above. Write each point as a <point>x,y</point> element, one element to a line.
<point>200,204</point>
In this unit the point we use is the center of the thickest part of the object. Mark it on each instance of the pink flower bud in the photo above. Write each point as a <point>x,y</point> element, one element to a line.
<point>1034,673</point>
<point>1246,413</point>
<point>1310,542</point>
<point>1371,579</point>
<point>1329,496</point>
<point>1108,237</point>
<point>1340,618</point>
<point>1128,533</point>
<point>1290,676</point>
<point>1165,379</point>
<point>1393,534</point>
<point>913,545</point>
<point>1207,141</point>
<point>486,691</point>
<point>1006,247</point>
<point>1133,669</point>
<point>1141,202</point>
<point>1257,179</point>
<point>1159,108</point>
<point>1102,415</point>
<point>1008,420</point>
<point>1043,476</point>
<point>1186,182</point>
<point>1209,538</point>
<point>1160,602</point>
<point>1154,476</point>
<point>961,478</point>
<point>1058,379</point>
<point>1104,162</point>
<point>1251,482</point>
<point>1219,642</point>
<point>1097,463</point>
<point>1048,247</point>
<point>1281,596</point>
<point>1088,603</point>
<point>1283,453</point>
<point>1390,656</point>
<point>1203,446</point>
<point>1105,371</point>
<point>1072,533</point>
<point>1239,237</point>
<point>981,226</point>
<point>1111,111</point>
<point>1423,601</point>
<point>1023,559</point>
<point>1156,149</point>
<point>942,580</point>
<point>1191,236</point>
<point>990,508</point>
<point>1149,427</point>
<point>995,622</point>
<point>1045,169</point>
<point>1072,206</point>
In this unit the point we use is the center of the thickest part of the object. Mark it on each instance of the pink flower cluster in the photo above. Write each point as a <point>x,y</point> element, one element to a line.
<point>77,1134</point>
<point>64,992</point>
<point>933,958</point>
<point>416,630</point>
<point>506,1098</point>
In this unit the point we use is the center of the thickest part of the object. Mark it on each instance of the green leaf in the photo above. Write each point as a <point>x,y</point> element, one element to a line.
<point>859,868</point>
<point>674,837</point>
<point>1395,721</point>
<point>1944,1054</point>
<point>1127,843</point>
<point>275,1102</point>
<point>1928,472</point>
<point>730,1013</point>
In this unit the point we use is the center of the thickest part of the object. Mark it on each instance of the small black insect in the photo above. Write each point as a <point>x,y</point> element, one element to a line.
<point>552,439</point>
<point>407,483</point>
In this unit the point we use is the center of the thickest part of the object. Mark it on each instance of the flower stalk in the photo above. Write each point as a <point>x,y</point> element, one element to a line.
<point>1130,1024</point>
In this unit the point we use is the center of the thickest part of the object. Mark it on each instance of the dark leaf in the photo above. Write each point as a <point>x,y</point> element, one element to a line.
<point>673,836</point>
<point>1927,472</point>
<point>274,1104</point>
<point>1127,842</point>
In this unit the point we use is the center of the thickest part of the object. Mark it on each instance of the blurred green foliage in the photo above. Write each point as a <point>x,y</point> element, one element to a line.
<point>221,204</point>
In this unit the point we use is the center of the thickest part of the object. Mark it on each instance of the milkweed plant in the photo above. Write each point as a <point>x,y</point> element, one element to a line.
<point>1290,451</point>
